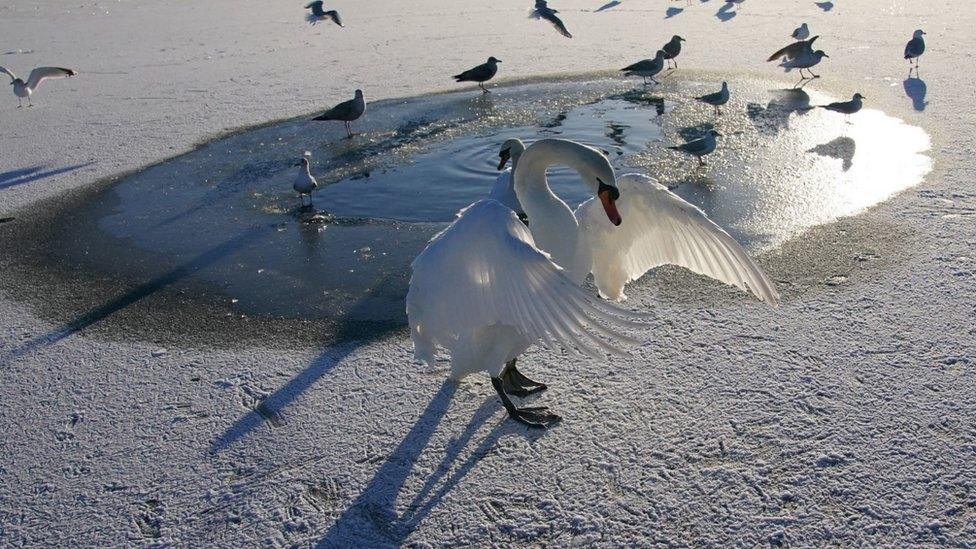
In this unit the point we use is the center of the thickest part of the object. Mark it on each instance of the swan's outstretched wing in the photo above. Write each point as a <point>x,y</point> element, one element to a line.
<point>40,74</point>
<point>9,73</point>
<point>484,270</point>
<point>660,228</point>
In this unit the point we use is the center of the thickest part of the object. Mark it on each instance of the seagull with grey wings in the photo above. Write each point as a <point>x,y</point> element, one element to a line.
<point>672,49</point>
<point>543,11</point>
<point>347,112</point>
<point>847,108</point>
<point>915,48</point>
<point>801,33</point>
<point>799,55</point>
<point>26,89</point>
<point>646,68</point>
<point>716,99</point>
<point>480,74</point>
<point>700,147</point>
<point>305,182</point>
<point>319,14</point>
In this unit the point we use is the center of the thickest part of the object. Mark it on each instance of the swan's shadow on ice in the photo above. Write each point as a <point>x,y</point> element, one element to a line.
<point>138,293</point>
<point>842,148</point>
<point>270,408</point>
<point>23,176</point>
<point>916,89</point>
<point>372,518</point>
<point>775,116</point>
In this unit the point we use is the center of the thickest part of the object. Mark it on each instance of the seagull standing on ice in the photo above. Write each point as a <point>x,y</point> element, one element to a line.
<point>26,89</point>
<point>647,68</point>
<point>802,32</point>
<point>318,14</point>
<point>717,99</point>
<point>347,111</point>
<point>700,147</point>
<point>913,49</point>
<point>480,74</point>
<point>847,108</point>
<point>543,11</point>
<point>305,183</point>
<point>804,61</point>
<point>672,49</point>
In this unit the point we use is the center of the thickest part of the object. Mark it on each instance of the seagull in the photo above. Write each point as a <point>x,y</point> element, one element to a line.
<point>847,108</point>
<point>717,99</point>
<point>672,49</point>
<point>647,68</point>
<point>347,111</point>
<point>802,32</point>
<point>543,11</point>
<point>480,74</point>
<point>305,183</point>
<point>804,61</point>
<point>26,89</point>
<point>913,49</point>
<point>318,14</point>
<point>794,49</point>
<point>700,147</point>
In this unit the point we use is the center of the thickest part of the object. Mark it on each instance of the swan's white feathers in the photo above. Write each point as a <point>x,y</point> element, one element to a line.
<point>661,228</point>
<point>484,270</point>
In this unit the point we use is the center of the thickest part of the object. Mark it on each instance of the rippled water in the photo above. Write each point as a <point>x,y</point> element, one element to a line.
<point>228,209</point>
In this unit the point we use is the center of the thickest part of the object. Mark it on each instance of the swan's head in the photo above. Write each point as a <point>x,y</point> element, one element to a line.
<point>918,33</point>
<point>511,149</point>
<point>597,173</point>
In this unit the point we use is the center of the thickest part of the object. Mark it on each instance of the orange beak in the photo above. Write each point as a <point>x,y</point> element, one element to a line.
<point>608,197</point>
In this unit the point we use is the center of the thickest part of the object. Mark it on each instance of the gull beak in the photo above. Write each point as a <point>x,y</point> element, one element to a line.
<point>608,196</point>
<point>503,159</point>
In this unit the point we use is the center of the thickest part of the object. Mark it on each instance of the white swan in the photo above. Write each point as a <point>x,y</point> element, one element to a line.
<point>486,288</point>
<point>504,188</point>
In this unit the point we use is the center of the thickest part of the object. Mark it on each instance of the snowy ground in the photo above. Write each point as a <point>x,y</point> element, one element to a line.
<point>843,417</point>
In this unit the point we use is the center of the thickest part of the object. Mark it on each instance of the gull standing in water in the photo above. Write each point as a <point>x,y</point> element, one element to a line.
<point>804,61</point>
<point>305,183</point>
<point>347,112</point>
<point>319,14</point>
<point>915,48</point>
<point>646,68</point>
<point>847,108</point>
<point>717,99</point>
<point>487,288</point>
<point>802,32</point>
<point>672,49</point>
<point>26,89</point>
<point>480,74</point>
<point>543,11</point>
<point>504,188</point>
<point>700,147</point>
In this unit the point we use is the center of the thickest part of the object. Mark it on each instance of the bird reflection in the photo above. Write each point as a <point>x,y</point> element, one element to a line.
<point>842,148</point>
<point>775,116</point>
<point>915,89</point>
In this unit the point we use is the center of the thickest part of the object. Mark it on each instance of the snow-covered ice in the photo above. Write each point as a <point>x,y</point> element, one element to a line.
<point>133,414</point>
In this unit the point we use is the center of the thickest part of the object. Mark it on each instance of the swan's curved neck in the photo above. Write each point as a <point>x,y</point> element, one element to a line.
<point>551,221</point>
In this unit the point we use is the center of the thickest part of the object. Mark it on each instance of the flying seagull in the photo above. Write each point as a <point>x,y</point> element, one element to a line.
<point>717,99</point>
<point>672,49</point>
<point>543,11</point>
<point>802,32</point>
<point>480,74</point>
<point>318,14</point>
<point>795,49</point>
<point>347,111</point>
<point>26,89</point>
<point>700,147</point>
<point>647,68</point>
<point>847,108</point>
<point>913,49</point>
<point>305,183</point>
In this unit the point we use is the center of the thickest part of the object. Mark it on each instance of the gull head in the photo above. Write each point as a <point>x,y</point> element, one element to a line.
<point>714,133</point>
<point>820,53</point>
<point>918,33</point>
<point>511,149</point>
<point>493,60</point>
<point>677,38</point>
<point>725,85</point>
<point>859,96</point>
<point>359,94</point>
